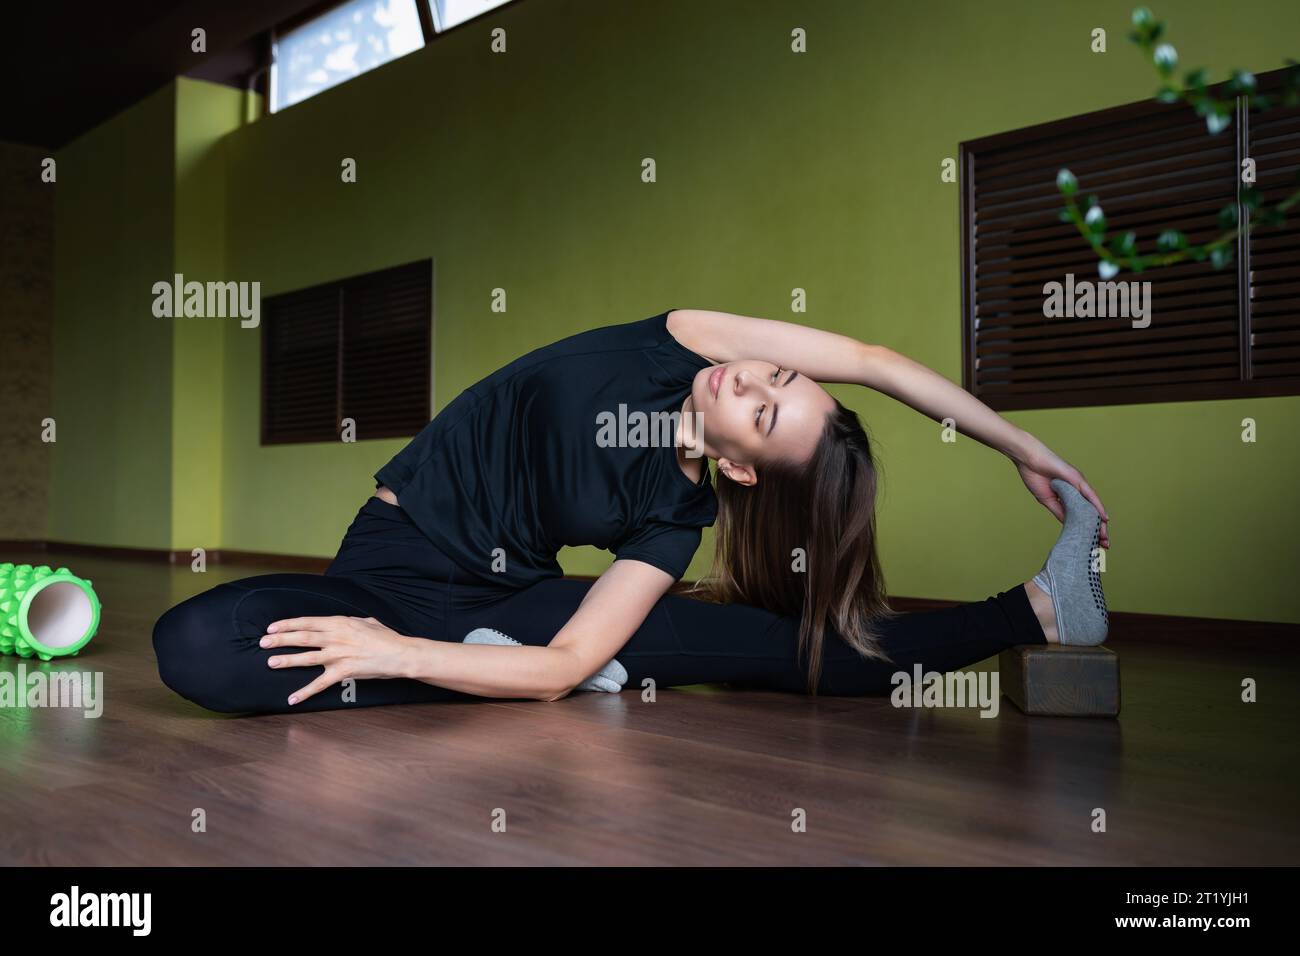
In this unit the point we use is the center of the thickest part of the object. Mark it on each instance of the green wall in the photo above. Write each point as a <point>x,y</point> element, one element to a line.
<point>137,398</point>
<point>775,171</point>
<point>205,113</point>
<point>110,472</point>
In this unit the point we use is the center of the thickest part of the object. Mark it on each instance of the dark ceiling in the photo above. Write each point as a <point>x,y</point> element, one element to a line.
<point>73,65</point>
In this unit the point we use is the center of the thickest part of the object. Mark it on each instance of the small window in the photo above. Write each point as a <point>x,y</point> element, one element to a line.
<point>345,42</point>
<point>358,349</point>
<point>450,13</point>
<point>1211,333</point>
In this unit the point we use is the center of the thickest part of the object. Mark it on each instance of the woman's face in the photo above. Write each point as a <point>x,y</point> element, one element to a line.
<point>754,411</point>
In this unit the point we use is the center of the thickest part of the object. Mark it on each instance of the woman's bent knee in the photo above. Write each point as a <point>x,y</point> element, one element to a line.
<point>197,649</point>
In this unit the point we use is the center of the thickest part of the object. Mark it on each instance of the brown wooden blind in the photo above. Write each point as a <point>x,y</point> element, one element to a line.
<point>1153,167</point>
<point>357,348</point>
<point>386,338</point>
<point>1274,265</point>
<point>300,338</point>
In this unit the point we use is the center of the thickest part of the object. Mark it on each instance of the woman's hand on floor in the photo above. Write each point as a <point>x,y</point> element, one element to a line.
<point>1039,465</point>
<point>349,647</point>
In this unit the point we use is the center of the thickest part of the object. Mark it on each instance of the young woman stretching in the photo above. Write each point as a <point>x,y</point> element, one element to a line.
<point>602,439</point>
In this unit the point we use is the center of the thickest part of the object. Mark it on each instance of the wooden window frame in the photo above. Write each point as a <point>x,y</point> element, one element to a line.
<point>1245,386</point>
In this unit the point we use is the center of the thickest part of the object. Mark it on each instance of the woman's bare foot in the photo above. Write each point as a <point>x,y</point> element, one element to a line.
<point>1041,602</point>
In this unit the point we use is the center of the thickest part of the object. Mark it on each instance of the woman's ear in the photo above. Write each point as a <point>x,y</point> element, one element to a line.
<point>740,474</point>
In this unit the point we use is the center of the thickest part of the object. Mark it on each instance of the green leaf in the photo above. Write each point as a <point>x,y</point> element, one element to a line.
<point>1066,183</point>
<point>1065,216</point>
<point>1228,216</point>
<point>1146,28</point>
<point>1127,245</point>
<point>1250,198</point>
<point>1221,256</point>
<point>1165,58</point>
<point>1171,240</point>
<point>1261,102</point>
<point>1197,252</point>
<point>1272,216</point>
<point>1217,122</point>
<point>1196,79</point>
<point>1242,81</point>
<point>1090,201</point>
<point>1168,94</point>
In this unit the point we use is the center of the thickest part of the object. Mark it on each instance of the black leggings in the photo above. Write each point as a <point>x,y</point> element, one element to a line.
<point>208,646</point>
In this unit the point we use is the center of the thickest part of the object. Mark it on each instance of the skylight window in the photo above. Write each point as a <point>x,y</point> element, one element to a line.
<point>345,42</point>
<point>450,13</point>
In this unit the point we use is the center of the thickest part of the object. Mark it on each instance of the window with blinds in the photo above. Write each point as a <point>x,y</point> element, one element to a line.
<point>1273,264</point>
<point>359,348</point>
<point>1212,333</point>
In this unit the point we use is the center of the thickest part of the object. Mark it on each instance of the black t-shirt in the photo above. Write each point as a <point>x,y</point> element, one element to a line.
<point>521,463</point>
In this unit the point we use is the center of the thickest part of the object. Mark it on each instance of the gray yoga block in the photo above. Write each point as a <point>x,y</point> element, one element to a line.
<point>1061,680</point>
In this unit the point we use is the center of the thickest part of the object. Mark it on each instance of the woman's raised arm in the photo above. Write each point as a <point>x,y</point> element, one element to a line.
<point>831,357</point>
<point>822,356</point>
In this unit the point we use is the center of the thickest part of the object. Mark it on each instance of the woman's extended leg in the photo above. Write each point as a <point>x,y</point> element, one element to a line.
<point>208,650</point>
<point>686,641</point>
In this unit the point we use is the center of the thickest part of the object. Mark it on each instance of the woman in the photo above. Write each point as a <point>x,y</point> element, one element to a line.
<point>601,439</point>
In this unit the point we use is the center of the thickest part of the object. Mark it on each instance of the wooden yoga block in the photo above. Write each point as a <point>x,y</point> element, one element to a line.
<point>1061,680</point>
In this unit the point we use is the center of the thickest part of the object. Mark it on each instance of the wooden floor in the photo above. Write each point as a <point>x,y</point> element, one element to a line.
<point>1187,775</point>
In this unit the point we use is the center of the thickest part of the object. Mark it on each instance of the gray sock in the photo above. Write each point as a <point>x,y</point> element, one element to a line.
<point>1068,575</point>
<point>609,678</point>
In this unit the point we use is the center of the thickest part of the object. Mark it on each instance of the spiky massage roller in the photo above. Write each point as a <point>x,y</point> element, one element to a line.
<point>45,613</point>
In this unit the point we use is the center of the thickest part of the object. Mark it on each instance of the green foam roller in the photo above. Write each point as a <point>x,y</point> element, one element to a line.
<point>45,613</point>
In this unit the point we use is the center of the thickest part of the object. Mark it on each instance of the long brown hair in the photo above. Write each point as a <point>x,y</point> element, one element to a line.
<point>823,511</point>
